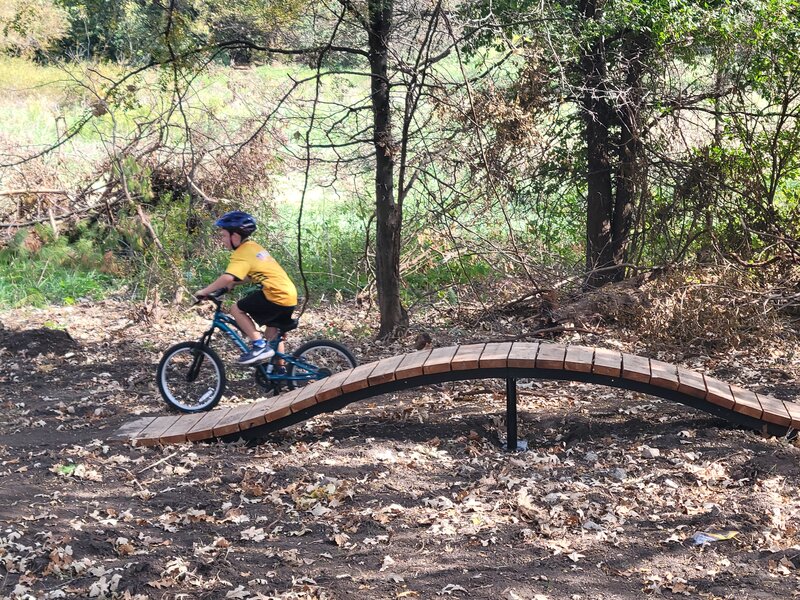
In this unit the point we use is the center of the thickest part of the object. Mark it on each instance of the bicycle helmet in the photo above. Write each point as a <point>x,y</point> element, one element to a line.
<point>237,221</point>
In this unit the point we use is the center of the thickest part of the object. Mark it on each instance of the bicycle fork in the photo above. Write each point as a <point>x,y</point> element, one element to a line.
<point>198,356</point>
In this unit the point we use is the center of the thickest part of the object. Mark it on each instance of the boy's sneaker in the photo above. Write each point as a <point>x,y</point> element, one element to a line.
<point>257,355</point>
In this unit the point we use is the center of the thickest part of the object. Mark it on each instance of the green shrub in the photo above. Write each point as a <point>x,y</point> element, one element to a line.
<point>37,269</point>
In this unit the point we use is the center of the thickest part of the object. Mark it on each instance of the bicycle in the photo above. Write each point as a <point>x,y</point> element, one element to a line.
<point>191,375</point>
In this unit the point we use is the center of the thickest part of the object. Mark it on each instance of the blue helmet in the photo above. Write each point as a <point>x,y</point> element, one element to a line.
<point>237,221</point>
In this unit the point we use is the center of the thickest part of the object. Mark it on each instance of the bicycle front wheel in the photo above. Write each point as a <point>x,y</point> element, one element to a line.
<point>191,377</point>
<point>319,359</point>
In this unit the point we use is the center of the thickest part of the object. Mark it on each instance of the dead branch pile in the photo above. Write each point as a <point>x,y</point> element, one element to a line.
<point>36,192</point>
<point>713,309</point>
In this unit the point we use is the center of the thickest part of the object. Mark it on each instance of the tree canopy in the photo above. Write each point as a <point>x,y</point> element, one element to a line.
<point>629,133</point>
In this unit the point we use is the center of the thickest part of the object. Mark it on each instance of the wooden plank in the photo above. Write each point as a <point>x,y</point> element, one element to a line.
<point>523,355</point>
<point>358,378</point>
<point>467,357</point>
<point>256,415</point>
<point>719,393</point>
<point>177,433</point>
<point>384,370</point>
<point>129,430</point>
<point>229,423</point>
<point>282,407</point>
<point>495,355</point>
<point>635,368</point>
<point>607,362</point>
<point>151,435</point>
<point>579,358</point>
<point>551,356</point>
<point>439,360</point>
<point>746,402</point>
<point>332,386</point>
<point>307,396</point>
<point>794,412</point>
<point>411,366</point>
<point>204,428</point>
<point>774,411</point>
<point>663,375</point>
<point>691,383</point>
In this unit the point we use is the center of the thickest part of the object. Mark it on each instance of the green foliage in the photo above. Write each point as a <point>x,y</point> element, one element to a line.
<point>126,31</point>
<point>256,21</point>
<point>131,31</point>
<point>719,190</point>
<point>333,250</point>
<point>180,260</point>
<point>332,245</point>
<point>726,74</point>
<point>29,27</point>
<point>138,179</point>
<point>37,269</point>
<point>137,32</point>
<point>755,158</point>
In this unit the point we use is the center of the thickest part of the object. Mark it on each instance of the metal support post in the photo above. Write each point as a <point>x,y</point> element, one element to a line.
<point>511,414</point>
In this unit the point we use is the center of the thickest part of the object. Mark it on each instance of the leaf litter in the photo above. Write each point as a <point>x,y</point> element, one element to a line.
<point>408,495</point>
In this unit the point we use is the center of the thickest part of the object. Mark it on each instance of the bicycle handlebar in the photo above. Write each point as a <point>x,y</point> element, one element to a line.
<point>215,297</point>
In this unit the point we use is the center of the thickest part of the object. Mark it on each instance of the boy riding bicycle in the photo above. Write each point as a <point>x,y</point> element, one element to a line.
<point>277,298</point>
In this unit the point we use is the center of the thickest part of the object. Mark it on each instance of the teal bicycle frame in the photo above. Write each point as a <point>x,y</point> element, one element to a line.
<point>227,324</point>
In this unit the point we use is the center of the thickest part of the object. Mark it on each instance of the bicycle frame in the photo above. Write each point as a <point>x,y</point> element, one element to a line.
<point>227,324</point>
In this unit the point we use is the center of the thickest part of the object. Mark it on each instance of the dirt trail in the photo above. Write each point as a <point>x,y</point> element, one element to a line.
<point>405,496</point>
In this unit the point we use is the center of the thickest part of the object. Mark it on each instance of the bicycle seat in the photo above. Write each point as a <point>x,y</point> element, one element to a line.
<point>284,324</point>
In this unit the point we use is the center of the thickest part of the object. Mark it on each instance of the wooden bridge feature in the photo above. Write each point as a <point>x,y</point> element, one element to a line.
<point>503,360</point>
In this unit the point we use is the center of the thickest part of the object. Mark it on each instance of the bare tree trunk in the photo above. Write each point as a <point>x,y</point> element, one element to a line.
<point>630,174</point>
<point>600,200</point>
<point>394,318</point>
<point>613,155</point>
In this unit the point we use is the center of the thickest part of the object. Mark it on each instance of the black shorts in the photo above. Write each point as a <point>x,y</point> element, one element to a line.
<point>262,310</point>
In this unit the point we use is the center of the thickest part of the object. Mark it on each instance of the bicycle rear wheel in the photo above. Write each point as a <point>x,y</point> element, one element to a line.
<point>191,377</point>
<point>323,358</point>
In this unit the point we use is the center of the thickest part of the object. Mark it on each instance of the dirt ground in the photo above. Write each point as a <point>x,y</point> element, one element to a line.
<point>403,496</point>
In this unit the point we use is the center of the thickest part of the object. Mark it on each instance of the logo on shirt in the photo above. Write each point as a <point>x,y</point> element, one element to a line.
<point>263,255</point>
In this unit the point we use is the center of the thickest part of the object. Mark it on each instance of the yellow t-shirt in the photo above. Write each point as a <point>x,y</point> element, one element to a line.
<point>251,260</point>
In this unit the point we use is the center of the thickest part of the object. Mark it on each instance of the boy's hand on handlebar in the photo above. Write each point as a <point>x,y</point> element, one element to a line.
<point>214,295</point>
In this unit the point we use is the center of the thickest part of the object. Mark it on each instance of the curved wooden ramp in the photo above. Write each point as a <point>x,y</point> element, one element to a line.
<point>505,360</point>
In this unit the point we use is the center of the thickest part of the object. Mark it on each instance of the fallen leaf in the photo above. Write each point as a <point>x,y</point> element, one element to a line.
<point>575,556</point>
<point>450,589</point>
<point>388,561</point>
<point>253,534</point>
<point>238,594</point>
